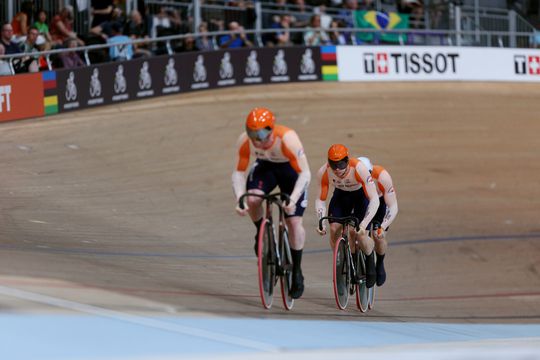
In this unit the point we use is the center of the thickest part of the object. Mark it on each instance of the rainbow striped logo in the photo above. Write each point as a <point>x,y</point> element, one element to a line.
<point>329,63</point>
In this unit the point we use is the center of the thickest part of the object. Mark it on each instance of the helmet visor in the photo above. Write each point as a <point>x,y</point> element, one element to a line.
<point>339,165</point>
<point>259,135</point>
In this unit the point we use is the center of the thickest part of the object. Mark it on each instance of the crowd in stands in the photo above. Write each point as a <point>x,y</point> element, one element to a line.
<point>31,30</point>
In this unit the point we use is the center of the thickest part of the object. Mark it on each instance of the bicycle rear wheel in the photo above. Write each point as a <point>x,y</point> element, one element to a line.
<point>341,274</point>
<point>371,298</point>
<point>287,267</point>
<point>266,263</point>
<point>362,292</point>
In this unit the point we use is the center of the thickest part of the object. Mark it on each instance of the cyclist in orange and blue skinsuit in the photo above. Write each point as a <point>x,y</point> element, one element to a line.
<point>280,161</point>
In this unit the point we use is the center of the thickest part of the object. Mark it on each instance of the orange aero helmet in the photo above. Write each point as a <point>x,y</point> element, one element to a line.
<point>260,124</point>
<point>338,157</point>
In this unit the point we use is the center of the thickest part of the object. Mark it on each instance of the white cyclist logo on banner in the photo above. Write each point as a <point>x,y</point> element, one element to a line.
<point>145,79</point>
<point>252,65</point>
<point>307,66</point>
<point>226,70</point>
<point>199,71</point>
<point>280,65</point>
<point>71,88</point>
<point>171,76</point>
<point>95,84</point>
<point>119,80</point>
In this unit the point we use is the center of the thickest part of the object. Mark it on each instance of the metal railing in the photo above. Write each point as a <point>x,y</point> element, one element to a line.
<point>450,35</point>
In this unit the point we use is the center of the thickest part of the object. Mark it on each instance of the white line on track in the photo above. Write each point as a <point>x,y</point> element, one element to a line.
<point>138,320</point>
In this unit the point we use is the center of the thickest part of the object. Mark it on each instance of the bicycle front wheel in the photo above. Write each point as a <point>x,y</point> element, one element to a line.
<point>362,292</point>
<point>287,267</point>
<point>341,274</point>
<point>266,263</point>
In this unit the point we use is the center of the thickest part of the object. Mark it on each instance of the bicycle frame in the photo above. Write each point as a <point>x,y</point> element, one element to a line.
<point>281,261</point>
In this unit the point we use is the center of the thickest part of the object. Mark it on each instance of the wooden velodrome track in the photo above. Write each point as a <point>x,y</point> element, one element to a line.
<point>130,207</point>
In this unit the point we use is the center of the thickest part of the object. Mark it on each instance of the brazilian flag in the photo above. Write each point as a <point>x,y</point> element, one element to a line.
<point>381,21</point>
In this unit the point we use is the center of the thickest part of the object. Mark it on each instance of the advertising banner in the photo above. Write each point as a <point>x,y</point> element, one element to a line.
<point>21,96</point>
<point>164,75</point>
<point>421,63</point>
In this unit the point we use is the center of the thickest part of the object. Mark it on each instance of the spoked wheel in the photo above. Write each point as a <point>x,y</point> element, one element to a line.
<point>287,267</point>
<point>362,292</point>
<point>266,263</point>
<point>341,274</point>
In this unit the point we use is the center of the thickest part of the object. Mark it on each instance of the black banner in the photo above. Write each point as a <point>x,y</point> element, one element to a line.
<point>111,83</point>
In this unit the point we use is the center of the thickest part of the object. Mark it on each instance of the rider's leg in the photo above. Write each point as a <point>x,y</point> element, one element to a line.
<point>335,233</point>
<point>297,237</point>
<point>380,248</point>
<point>260,181</point>
<point>368,246</point>
<point>380,242</point>
<point>255,212</point>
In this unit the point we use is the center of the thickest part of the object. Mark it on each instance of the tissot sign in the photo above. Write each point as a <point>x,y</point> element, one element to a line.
<point>414,63</point>
<point>422,63</point>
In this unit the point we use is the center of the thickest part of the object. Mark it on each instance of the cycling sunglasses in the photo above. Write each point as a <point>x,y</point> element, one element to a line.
<point>259,135</point>
<point>339,165</point>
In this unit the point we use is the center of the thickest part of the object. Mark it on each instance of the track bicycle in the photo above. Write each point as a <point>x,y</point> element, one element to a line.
<point>349,270</point>
<point>274,259</point>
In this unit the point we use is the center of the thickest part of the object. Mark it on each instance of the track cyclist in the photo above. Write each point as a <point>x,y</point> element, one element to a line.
<point>354,194</point>
<point>386,213</point>
<point>280,161</point>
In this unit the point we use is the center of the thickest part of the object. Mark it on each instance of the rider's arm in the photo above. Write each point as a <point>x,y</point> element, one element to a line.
<point>292,148</point>
<point>371,193</point>
<point>242,162</point>
<point>320,202</point>
<point>385,180</point>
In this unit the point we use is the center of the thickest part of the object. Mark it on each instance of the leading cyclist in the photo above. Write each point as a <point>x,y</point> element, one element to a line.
<point>280,161</point>
<point>354,194</point>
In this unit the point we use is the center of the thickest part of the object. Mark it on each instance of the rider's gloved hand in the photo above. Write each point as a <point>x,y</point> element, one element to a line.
<point>290,208</point>
<point>379,234</point>
<point>322,231</point>
<point>361,230</point>
<point>240,211</point>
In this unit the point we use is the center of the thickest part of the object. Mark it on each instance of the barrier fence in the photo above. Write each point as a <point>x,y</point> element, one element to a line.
<point>51,92</point>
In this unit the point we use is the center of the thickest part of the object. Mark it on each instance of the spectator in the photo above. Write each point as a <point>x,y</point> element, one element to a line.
<point>236,39</point>
<point>6,39</point>
<point>4,65</point>
<point>104,30</point>
<point>326,20</point>
<point>413,7</point>
<point>313,36</point>
<point>62,27</point>
<point>203,42</point>
<point>282,36</point>
<point>43,28</point>
<point>21,64</point>
<point>71,59</point>
<point>136,30</point>
<point>101,11</point>
<point>21,21</point>
<point>160,22</point>
<point>188,44</point>
<point>122,51</point>
<point>347,18</point>
<point>29,46</point>
<point>335,36</point>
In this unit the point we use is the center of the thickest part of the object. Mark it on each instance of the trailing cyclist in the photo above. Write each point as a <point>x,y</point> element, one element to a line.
<point>354,194</point>
<point>386,213</point>
<point>280,161</point>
